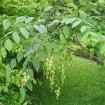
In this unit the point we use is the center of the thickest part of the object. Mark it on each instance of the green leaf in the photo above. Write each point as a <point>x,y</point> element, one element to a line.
<point>13,63</point>
<point>30,73</point>
<point>0,60</point>
<point>66,31</point>
<point>83,29</point>
<point>95,37</point>
<point>28,50</point>
<point>3,52</point>
<point>30,28</point>
<point>92,52</point>
<point>76,23</point>
<point>29,85</point>
<point>42,56</point>
<point>68,20</point>
<point>8,45</point>
<point>19,56</point>
<point>24,32</point>
<point>6,24</point>
<point>20,19</point>
<point>52,27</point>
<point>26,62</point>
<point>85,38</point>
<point>22,92</point>
<point>36,64</point>
<point>83,15</point>
<point>8,73</point>
<point>25,103</point>
<point>102,49</point>
<point>29,19</point>
<point>34,81</point>
<point>42,29</point>
<point>22,99</point>
<point>72,5</point>
<point>102,1</point>
<point>16,37</point>
<point>42,21</point>
<point>62,38</point>
<point>48,8</point>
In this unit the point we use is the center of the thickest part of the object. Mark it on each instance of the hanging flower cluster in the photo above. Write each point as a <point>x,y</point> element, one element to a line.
<point>54,71</point>
<point>50,70</point>
<point>25,79</point>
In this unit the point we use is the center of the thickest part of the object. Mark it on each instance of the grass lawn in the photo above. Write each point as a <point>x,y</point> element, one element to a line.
<point>84,85</point>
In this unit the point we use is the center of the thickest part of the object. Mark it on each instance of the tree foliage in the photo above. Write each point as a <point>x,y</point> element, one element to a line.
<point>46,29</point>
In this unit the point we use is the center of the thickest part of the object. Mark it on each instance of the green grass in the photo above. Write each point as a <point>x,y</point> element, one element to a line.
<point>84,85</point>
